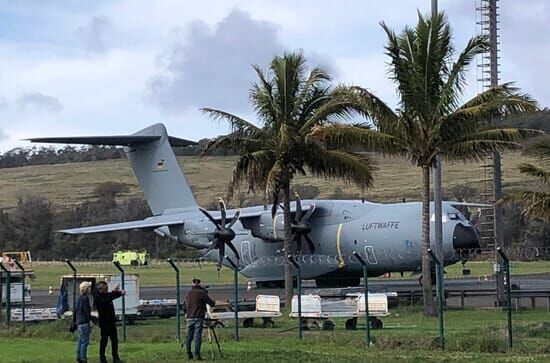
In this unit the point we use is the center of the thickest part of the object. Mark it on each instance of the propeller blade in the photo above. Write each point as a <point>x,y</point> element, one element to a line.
<point>230,245</point>
<point>221,254</point>
<point>310,244</point>
<point>309,212</point>
<point>298,207</point>
<point>298,245</point>
<point>211,247</point>
<point>209,216</point>
<point>222,210</point>
<point>235,218</point>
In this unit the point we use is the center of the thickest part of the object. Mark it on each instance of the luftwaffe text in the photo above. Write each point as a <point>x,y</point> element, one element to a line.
<point>380,225</point>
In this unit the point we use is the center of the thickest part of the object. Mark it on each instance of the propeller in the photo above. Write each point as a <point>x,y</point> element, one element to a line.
<point>301,227</point>
<point>223,234</point>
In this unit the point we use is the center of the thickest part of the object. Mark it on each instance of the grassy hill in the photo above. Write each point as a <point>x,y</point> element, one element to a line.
<point>69,184</point>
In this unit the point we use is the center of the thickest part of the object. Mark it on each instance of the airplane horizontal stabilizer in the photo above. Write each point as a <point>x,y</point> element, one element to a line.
<point>122,140</point>
<point>148,224</point>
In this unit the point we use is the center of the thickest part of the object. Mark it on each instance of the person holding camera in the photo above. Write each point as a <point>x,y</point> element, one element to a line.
<point>195,309</point>
<point>103,302</point>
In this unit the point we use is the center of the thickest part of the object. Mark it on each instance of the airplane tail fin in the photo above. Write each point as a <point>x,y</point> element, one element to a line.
<point>153,162</point>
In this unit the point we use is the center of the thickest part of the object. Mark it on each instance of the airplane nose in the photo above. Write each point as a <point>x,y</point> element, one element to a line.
<point>465,238</point>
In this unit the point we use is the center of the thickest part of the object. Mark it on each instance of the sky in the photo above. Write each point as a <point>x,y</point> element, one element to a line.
<point>70,68</point>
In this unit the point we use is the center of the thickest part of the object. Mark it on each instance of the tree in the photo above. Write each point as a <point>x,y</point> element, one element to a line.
<point>429,119</point>
<point>289,101</point>
<point>537,202</point>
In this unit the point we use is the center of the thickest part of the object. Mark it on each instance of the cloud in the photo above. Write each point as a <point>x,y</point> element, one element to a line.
<point>3,102</point>
<point>94,35</point>
<point>39,102</point>
<point>3,135</point>
<point>212,68</point>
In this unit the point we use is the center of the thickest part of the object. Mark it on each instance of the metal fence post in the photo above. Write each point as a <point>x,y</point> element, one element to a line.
<point>22,293</point>
<point>8,295</point>
<point>299,283</point>
<point>236,294</point>
<point>366,292</point>
<point>178,300</point>
<point>117,265</point>
<point>508,293</point>
<point>439,289</point>
<point>74,282</point>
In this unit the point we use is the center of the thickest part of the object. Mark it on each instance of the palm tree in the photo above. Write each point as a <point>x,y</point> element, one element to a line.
<point>429,119</point>
<point>537,203</point>
<point>289,101</point>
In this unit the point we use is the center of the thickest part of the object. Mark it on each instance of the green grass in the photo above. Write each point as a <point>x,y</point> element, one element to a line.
<point>69,184</point>
<point>471,336</point>
<point>49,274</point>
<point>161,274</point>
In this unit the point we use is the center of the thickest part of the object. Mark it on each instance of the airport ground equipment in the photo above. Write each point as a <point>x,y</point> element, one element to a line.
<point>318,312</point>
<point>131,258</point>
<point>131,286</point>
<point>24,257</point>
<point>17,286</point>
<point>23,290</point>
<point>6,272</point>
<point>267,308</point>
<point>34,314</point>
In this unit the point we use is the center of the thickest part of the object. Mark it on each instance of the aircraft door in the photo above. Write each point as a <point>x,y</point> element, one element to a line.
<point>245,253</point>
<point>371,257</point>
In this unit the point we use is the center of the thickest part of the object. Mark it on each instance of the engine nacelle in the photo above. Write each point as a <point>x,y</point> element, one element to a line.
<point>267,228</point>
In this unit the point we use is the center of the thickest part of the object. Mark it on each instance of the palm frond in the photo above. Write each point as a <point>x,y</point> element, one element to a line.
<point>535,171</point>
<point>337,164</point>
<point>537,204</point>
<point>237,123</point>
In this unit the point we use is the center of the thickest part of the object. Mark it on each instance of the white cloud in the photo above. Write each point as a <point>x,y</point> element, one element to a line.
<point>36,101</point>
<point>94,35</point>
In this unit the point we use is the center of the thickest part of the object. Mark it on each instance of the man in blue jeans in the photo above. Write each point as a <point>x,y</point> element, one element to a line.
<point>195,309</point>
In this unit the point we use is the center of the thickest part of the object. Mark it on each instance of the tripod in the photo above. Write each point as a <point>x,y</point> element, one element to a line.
<point>209,324</point>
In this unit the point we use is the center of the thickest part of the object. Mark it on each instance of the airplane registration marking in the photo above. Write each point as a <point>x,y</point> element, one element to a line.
<point>338,249</point>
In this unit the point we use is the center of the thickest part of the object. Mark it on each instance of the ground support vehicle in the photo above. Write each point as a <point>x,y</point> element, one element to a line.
<point>317,312</point>
<point>267,307</point>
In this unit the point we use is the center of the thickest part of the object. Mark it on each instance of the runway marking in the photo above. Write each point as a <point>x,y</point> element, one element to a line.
<point>338,249</point>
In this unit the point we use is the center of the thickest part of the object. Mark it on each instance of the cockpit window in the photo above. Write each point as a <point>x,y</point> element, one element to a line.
<point>456,217</point>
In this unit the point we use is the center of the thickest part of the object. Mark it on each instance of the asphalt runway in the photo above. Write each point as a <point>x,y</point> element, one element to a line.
<point>42,298</point>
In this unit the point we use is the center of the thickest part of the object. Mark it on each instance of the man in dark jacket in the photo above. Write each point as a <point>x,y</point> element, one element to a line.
<point>103,302</point>
<point>195,309</point>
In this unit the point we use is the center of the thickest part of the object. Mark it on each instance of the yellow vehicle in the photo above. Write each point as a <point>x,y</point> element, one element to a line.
<point>23,257</point>
<point>131,258</point>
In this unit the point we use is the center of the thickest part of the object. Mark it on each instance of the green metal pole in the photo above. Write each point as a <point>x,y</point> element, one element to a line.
<point>235,295</point>
<point>22,293</point>
<point>178,300</point>
<point>439,288</point>
<point>299,283</point>
<point>366,292</point>
<point>117,265</point>
<point>8,296</point>
<point>74,282</point>
<point>508,293</point>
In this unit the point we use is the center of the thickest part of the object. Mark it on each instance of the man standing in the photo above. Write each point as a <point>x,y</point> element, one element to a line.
<point>195,309</point>
<point>103,302</point>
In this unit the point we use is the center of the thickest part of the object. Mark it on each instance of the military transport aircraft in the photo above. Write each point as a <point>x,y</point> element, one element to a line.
<point>388,236</point>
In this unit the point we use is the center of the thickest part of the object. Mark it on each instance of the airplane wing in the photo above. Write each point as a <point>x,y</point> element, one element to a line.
<point>149,223</point>
<point>466,204</point>
<point>253,212</point>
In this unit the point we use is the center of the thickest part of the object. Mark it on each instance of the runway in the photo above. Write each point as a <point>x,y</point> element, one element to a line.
<point>42,298</point>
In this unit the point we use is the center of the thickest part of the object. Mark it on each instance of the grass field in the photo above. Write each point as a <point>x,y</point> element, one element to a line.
<point>408,336</point>
<point>161,274</point>
<point>69,184</point>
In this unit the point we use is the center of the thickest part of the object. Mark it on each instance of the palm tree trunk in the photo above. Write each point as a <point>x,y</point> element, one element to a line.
<point>289,291</point>
<point>429,305</point>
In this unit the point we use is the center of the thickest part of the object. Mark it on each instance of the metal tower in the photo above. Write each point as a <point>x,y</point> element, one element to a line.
<point>487,19</point>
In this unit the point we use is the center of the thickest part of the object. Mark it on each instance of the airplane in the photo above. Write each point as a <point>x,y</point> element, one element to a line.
<point>387,236</point>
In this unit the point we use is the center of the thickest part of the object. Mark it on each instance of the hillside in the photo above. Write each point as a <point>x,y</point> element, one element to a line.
<point>69,184</point>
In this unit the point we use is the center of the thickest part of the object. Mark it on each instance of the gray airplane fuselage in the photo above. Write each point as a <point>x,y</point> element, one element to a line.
<point>387,236</point>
